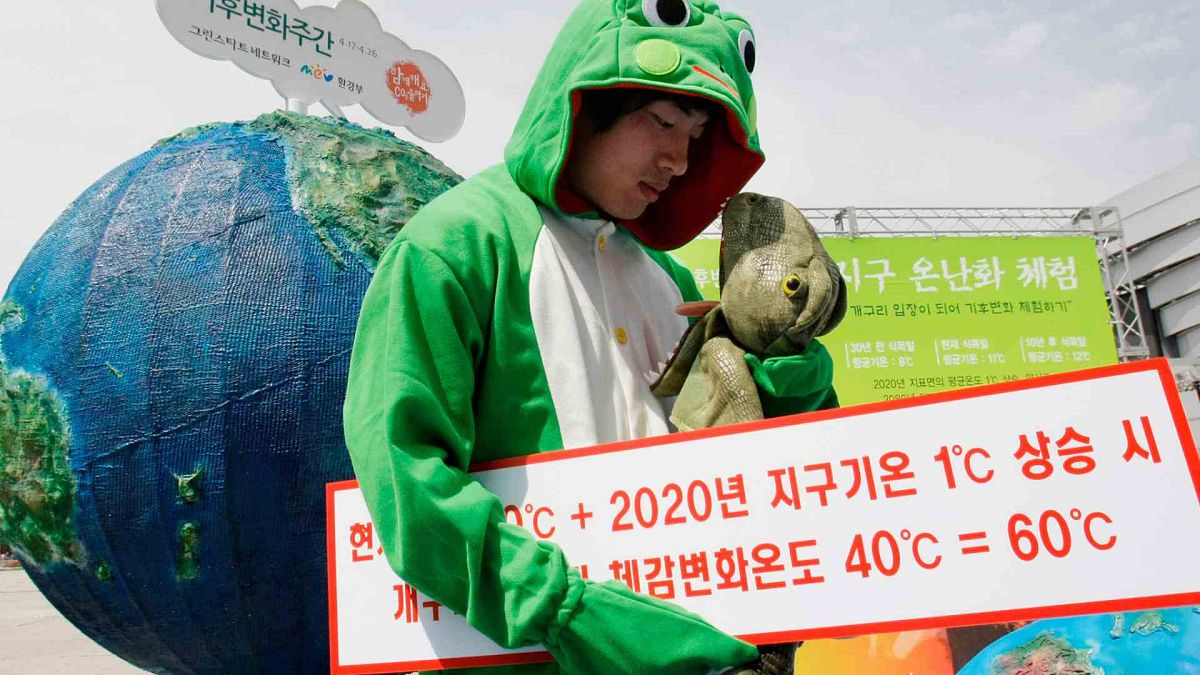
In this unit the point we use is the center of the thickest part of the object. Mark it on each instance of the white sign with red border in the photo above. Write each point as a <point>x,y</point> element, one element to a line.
<point>1069,494</point>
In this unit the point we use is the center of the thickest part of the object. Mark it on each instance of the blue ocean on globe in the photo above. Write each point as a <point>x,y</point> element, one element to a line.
<point>173,356</point>
<point>1165,641</point>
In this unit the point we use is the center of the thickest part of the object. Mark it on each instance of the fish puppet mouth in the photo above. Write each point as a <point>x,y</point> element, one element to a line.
<point>751,222</point>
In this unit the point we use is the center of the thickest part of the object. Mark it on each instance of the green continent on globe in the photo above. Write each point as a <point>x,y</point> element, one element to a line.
<point>187,567</point>
<point>1047,654</point>
<point>37,490</point>
<point>362,182</point>
<point>1151,623</point>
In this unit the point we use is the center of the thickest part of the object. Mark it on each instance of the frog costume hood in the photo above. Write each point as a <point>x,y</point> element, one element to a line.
<point>685,47</point>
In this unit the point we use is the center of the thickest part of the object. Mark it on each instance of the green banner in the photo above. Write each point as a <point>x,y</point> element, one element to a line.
<point>927,315</point>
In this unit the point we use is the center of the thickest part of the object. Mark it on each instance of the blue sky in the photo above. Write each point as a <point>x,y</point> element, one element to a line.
<point>860,103</point>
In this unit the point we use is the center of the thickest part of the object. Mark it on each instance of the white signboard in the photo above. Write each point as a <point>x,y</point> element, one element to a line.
<point>1069,494</point>
<point>338,56</point>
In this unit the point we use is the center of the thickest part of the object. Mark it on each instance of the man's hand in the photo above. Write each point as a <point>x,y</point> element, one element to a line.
<point>608,628</point>
<point>772,660</point>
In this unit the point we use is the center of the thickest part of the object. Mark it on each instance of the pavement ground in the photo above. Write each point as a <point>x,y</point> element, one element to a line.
<point>36,640</point>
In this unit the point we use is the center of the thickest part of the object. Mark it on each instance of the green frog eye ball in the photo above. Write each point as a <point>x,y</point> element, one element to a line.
<point>667,13</point>
<point>747,49</point>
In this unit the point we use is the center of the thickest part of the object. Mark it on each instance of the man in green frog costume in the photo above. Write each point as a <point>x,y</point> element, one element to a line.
<point>520,311</point>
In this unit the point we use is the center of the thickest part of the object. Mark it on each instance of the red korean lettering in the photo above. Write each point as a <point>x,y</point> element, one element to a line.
<point>863,476</point>
<point>660,574</point>
<point>1077,450</point>
<point>434,607</point>
<point>787,491</point>
<point>693,568</point>
<point>362,538</point>
<point>734,489</point>
<point>1134,447</point>
<point>895,465</point>
<point>731,569</point>
<point>766,562</point>
<point>406,603</point>
<point>796,551</point>
<point>824,488</point>
<point>1040,467</point>
<point>626,571</point>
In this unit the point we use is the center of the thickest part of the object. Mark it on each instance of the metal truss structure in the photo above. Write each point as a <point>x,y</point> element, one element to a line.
<point>1103,224</point>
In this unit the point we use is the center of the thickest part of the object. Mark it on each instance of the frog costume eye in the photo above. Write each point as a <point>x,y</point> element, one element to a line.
<point>667,13</point>
<point>747,49</point>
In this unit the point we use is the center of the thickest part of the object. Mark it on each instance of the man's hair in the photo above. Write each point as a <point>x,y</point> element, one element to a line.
<point>606,106</point>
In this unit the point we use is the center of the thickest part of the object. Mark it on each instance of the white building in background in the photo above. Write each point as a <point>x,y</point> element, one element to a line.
<point>1161,223</point>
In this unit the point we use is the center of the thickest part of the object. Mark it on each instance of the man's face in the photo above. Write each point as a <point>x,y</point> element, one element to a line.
<point>624,169</point>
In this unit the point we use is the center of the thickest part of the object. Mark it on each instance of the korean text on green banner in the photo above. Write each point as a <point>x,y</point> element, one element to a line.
<point>932,314</point>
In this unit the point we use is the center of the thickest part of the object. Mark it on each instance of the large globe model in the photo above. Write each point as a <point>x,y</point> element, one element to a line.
<point>173,359</point>
<point>1159,641</point>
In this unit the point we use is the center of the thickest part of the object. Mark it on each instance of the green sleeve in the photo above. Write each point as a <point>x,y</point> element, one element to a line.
<point>795,384</point>
<point>410,430</point>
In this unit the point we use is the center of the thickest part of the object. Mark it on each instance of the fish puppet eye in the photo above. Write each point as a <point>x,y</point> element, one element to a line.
<point>791,285</point>
<point>667,13</point>
<point>747,49</point>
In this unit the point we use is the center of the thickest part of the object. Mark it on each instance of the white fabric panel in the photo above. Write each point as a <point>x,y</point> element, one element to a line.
<point>591,285</point>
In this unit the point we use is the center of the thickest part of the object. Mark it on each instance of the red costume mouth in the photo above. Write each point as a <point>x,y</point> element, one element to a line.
<point>718,80</point>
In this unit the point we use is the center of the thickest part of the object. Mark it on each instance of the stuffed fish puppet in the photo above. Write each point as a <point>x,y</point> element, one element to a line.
<point>779,290</point>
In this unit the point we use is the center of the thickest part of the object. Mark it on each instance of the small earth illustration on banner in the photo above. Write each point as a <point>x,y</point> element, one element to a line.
<point>173,359</point>
<point>1154,641</point>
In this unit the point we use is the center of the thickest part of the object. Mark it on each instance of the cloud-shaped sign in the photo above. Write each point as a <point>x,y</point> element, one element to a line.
<point>336,55</point>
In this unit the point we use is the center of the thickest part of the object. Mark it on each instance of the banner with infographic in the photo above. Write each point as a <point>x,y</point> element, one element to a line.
<point>932,314</point>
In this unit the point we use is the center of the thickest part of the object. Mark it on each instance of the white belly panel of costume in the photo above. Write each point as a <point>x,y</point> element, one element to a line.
<point>603,315</point>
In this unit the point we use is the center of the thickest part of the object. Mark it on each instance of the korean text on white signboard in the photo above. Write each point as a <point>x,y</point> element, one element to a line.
<point>1069,494</point>
<point>337,55</point>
